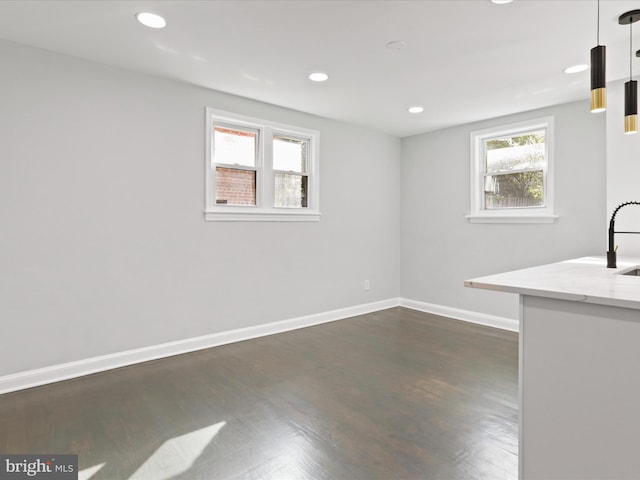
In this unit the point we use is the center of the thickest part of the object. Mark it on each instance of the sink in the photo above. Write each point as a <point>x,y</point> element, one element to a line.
<point>635,272</point>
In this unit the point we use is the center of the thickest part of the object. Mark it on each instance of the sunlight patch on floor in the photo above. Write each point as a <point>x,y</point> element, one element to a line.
<point>177,455</point>
<point>87,473</point>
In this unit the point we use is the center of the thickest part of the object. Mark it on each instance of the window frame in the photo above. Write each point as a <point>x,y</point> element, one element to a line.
<point>264,209</point>
<point>257,167</point>
<point>301,174</point>
<point>541,214</point>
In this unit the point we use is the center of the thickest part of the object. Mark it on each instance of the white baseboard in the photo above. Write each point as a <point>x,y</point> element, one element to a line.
<point>465,315</point>
<point>65,371</point>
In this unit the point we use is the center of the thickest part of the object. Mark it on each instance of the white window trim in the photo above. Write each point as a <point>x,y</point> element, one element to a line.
<point>263,211</point>
<point>543,214</point>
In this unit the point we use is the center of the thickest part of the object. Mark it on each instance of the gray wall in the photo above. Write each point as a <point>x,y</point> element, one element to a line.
<point>104,247</point>
<point>440,248</point>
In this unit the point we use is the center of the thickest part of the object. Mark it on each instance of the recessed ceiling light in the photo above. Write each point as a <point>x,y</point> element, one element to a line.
<point>416,109</point>
<point>318,77</point>
<point>501,2</point>
<point>576,68</point>
<point>151,20</point>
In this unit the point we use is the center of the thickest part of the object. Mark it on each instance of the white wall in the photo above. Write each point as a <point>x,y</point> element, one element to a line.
<point>440,248</point>
<point>104,247</point>
<point>623,171</point>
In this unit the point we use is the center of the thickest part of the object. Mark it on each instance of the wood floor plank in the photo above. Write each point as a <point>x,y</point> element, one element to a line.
<point>396,394</point>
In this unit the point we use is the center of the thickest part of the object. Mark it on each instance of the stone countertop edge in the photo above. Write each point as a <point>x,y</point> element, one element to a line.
<point>583,279</point>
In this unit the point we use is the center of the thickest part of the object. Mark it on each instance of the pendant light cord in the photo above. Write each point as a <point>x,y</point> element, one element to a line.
<point>631,49</point>
<point>598,29</point>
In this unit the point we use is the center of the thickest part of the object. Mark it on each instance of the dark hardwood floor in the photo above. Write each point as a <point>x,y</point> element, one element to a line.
<point>396,394</point>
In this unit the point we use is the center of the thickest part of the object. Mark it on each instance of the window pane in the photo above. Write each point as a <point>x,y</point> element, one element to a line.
<point>289,154</point>
<point>515,152</point>
<point>514,190</point>
<point>234,147</point>
<point>235,187</point>
<point>290,190</point>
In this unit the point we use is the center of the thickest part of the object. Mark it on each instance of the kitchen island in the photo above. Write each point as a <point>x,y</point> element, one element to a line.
<point>579,371</point>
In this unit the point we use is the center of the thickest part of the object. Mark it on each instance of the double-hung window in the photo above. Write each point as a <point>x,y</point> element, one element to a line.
<point>259,170</point>
<point>290,171</point>
<point>235,159</point>
<point>512,173</point>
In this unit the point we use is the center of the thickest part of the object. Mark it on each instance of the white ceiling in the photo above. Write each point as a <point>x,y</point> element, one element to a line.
<point>465,60</point>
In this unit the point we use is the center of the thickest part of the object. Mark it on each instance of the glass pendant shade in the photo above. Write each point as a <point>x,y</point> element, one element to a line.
<point>631,107</point>
<point>598,78</point>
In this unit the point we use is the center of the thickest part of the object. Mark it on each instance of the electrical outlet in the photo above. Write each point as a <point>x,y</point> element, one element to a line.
<point>367,285</point>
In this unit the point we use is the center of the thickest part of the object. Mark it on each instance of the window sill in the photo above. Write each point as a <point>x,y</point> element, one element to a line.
<point>540,218</point>
<point>261,216</point>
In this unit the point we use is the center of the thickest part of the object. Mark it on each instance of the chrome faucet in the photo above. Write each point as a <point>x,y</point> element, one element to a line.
<point>611,254</point>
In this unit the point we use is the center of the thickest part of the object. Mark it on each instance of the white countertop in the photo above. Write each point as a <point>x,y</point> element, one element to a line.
<point>580,280</point>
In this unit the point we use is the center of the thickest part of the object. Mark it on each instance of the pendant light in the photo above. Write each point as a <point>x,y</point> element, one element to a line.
<point>598,74</point>
<point>631,87</point>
